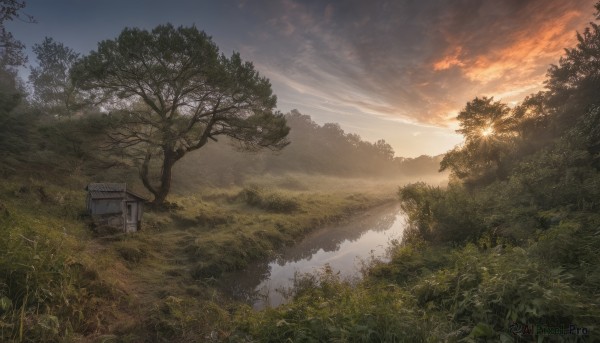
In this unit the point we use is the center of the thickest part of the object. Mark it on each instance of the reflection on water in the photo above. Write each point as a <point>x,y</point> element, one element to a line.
<point>341,247</point>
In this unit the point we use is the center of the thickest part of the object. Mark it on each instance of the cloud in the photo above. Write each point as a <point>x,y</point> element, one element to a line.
<point>528,49</point>
<point>451,60</point>
<point>415,61</point>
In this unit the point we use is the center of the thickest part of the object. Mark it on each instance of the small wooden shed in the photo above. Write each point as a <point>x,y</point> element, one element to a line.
<point>112,204</point>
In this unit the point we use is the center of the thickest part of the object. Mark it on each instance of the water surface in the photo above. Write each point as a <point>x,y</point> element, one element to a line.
<point>342,247</point>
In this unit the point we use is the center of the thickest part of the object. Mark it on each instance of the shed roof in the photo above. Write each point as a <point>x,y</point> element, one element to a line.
<point>136,195</point>
<point>107,187</point>
<point>106,195</point>
<point>110,191</point>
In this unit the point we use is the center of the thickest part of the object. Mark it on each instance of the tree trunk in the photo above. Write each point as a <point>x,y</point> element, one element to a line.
<point>165,178</point>
<point>144,171</point>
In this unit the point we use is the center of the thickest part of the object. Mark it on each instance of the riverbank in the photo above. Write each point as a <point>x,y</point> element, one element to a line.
<point>503,286</point>
<point>157,284</point>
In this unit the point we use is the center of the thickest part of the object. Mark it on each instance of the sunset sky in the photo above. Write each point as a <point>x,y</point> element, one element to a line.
<point>397,70</point>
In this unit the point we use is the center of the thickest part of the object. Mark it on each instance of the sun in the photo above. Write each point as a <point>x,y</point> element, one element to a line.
<point>487,131</point>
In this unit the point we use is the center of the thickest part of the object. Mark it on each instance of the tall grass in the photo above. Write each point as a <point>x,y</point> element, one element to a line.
<point>268,200</point>
<point>433,294</point>
<point>46,291</point>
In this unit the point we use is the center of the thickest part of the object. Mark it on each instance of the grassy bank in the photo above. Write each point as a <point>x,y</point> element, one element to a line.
<point>436,294</point>
<point>51,284</point>
<point>60,279</point>
<point>523,281</point>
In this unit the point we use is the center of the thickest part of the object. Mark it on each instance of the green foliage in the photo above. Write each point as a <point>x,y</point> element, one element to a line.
<point>175,93</point>
<point>500,288</point>
<point>13,125</point>
<point>15,122</point>
<point>11,49</point>
<point>410,261</point>
<point>573,244</point>
<point>434,293</point>
<point>328,309</point>
<point>530,120</point>
<point>185,320</point>
<point>488,128</point>
<point>441,215</point>
<point>79,138</point>
<point>572,82</point>
<point>268,200</point>
<point>51,81</point>
<point>45,291</point>
<point>483,118</point>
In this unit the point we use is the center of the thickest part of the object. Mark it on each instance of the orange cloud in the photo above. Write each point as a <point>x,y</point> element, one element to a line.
<point>451,60</point>
<point>508,66</point>
<point>529,51</point>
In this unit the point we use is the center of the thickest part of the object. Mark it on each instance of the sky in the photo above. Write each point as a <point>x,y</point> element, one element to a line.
<point>395,70</point>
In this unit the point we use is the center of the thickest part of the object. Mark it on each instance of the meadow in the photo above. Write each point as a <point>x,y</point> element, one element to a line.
<point>63,278</point>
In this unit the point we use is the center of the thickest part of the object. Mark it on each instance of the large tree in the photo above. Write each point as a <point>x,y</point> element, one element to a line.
<point>53,89</point>
<point>573,84</point>
<point>488,128</point>
<point>175,92</point>
<point>11,49</point>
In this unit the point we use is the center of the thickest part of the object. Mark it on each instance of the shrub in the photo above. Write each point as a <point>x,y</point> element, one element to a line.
<point>441,215</point>
<point>269,201</point>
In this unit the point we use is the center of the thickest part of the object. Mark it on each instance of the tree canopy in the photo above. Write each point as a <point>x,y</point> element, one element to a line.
<point>171,92</point>
<point>488,128</point>
<point>11,49</point>
<point>53,89</point>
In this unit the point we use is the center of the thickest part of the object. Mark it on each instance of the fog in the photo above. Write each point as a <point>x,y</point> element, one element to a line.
<point>317,157</point>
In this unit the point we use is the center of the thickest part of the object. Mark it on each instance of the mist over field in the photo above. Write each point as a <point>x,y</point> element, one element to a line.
<point>318,156</point>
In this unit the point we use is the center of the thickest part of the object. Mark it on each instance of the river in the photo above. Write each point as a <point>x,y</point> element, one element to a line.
<point>343,247</point>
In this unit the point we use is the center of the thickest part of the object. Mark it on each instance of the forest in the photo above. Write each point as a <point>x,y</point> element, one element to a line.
<point>502,241</point>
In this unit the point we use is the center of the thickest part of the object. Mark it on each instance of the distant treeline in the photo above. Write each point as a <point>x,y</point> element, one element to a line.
<point>313,149</point>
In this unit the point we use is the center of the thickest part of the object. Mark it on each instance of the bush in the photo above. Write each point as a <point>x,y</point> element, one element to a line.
<point>441,215</point>
<point>328,309</point>
<point>269,201</point>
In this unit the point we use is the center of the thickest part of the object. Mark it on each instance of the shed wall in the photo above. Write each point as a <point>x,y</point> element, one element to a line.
<point>106,206</point>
